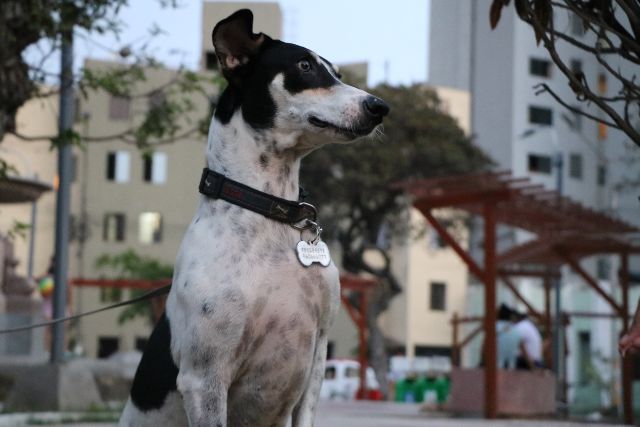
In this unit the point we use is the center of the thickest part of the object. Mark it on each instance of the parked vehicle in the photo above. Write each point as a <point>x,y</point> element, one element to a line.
<point>342,381</point>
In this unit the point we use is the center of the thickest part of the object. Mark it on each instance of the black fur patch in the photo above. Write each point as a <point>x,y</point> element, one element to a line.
<point>251,93</point>
<point>157,373</point>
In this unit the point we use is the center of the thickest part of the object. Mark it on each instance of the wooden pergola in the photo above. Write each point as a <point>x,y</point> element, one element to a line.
<point>349,284</point>
<point>565,230</point>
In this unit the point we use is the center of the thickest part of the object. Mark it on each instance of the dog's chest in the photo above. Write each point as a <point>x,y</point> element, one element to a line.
<point>234,267</point>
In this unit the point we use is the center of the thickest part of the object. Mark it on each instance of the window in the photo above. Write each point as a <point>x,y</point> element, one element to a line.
<point>330,373</point>
<point>576,66</point>
<point>150,227</point>
<point>575,166</point>
<point>113,227</point>
<point>603,268</point>
<point>118,165</point>
<point>107,346</point>
<point>584,357</point>
<point>211,61</point>
<point>577,24</point>
<point>539,163</point>
<point>540,115</point>
<point>602,84</point>
<point>576,124</point>
<point>352,372</point>
<point>602,175</point>
<point>539,67</point>
<point>330,349</point>
<point>119,108</point>
<point>155,168</point>
<point>437,299</point>
<point>435,240</point>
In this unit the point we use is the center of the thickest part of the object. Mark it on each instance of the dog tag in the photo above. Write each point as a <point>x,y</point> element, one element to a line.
<point>308,253</point>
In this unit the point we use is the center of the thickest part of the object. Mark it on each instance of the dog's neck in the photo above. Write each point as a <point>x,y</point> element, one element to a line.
<point>264,160</point>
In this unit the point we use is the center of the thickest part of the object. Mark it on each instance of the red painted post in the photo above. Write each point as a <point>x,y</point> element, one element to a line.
<point>455,345</point>
<point>547,321</point>
<point>362,390</point>
<point>490,357</point>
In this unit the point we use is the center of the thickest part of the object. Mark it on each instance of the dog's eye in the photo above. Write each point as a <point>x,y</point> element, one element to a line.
<point>304,65</point>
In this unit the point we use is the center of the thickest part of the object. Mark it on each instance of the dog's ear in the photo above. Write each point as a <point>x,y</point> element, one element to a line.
<point>235,43</point>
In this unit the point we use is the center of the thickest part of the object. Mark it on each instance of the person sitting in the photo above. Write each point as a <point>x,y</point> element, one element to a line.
<point>508,338</point>
<point>530,355</point>
<point>630,341</point>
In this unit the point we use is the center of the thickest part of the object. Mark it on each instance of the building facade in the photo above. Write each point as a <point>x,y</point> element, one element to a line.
<point>526,134</point>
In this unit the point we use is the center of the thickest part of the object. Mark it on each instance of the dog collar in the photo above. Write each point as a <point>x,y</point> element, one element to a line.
<point>218,186</point>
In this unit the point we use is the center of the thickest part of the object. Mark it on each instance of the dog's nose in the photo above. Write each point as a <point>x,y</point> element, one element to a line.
<point>375,107</point>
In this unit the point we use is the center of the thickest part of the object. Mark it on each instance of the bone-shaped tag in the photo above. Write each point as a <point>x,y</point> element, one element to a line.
<point>308,253</point>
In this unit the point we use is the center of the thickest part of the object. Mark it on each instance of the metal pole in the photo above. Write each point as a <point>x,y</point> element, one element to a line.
<point>558,329</point>
<point>61,261</point>
<point>32,239</point>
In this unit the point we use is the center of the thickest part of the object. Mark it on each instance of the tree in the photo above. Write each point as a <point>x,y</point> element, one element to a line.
<point>360,209</point>
<point>25,24</point>
<point>130,265</point>
<point>611,33</point>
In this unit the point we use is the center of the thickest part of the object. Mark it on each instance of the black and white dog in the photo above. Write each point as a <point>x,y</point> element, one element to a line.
<point>244,339</point>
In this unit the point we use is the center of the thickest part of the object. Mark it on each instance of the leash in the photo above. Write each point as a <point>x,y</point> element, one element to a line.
<point>148,295</point>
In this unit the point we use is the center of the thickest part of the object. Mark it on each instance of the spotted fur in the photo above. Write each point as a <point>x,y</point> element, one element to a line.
<point>244,340</point>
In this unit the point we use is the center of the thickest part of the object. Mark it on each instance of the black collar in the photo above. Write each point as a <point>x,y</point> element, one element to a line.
<point>218,186</point>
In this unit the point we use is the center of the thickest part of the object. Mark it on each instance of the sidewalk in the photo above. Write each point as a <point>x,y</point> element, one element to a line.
<point>334,414</point>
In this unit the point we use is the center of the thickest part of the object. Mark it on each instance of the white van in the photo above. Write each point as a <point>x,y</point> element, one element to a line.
<point>342,380</point>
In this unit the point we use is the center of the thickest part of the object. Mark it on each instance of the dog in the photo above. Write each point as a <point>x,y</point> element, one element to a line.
<point>244,338</point>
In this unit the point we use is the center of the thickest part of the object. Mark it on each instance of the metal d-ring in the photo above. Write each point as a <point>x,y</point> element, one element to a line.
<point>308,223</point>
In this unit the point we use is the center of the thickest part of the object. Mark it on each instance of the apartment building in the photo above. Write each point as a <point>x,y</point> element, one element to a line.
<point>526,133</point>
<point>135,200</point>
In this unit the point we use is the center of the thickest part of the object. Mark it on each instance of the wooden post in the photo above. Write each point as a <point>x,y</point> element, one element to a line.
<point>627,396</point>
<point>362,391</point>
<point>455,345</point>
<point>490,356</point>
<point>547,321</point>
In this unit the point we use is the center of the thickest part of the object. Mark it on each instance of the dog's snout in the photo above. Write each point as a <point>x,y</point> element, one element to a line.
<point>375,107</point>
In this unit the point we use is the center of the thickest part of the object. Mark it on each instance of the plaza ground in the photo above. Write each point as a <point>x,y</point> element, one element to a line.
<point>364,414</point>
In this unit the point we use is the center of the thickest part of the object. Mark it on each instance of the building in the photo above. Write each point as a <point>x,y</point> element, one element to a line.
<point>434,280</point>
<point>526,134</point>
<point>152,225</point>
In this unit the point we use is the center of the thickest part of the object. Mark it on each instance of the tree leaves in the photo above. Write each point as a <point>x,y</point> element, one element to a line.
<point>130,265</point>
<point>351,183</point>
<point>495,11</point>
<point>538,13</point>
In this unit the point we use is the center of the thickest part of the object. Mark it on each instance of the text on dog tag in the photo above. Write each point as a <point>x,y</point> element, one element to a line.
<point>308,253</point>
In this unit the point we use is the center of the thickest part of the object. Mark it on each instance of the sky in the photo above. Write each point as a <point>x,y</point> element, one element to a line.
<point>390,35</point>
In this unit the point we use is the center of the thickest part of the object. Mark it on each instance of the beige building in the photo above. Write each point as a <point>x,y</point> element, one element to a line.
<point>125,200</point>
<point>433,277</point>
<point>138,202</point>
<point>34,160</point>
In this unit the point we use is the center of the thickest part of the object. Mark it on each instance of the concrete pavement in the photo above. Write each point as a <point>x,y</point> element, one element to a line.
<point>356,414</point>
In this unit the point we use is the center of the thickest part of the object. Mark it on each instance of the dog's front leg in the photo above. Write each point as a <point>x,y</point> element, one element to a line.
<point>304,411</point>
<point>204,396</point>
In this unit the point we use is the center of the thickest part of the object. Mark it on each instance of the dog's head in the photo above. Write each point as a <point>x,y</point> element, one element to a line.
<point>288,87</point>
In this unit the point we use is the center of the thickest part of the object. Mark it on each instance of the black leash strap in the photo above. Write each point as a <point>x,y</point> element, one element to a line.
<point>218,186</point>
<point>148,295</point>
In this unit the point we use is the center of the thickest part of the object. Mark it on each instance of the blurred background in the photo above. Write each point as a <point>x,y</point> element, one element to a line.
<point>507,174</point>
